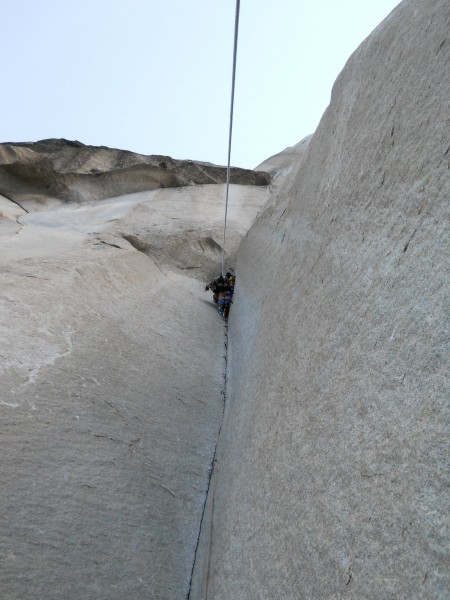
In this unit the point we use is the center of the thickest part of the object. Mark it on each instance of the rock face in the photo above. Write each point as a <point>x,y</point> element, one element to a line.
<point>282,163</point>
<point>330,480</point>
<point>111,388</point>
<point>72,172</point>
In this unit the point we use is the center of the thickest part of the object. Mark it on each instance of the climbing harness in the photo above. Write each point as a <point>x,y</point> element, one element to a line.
<point>233,79</point>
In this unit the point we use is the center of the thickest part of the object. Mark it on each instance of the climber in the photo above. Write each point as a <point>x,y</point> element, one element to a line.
<point>222,288</point>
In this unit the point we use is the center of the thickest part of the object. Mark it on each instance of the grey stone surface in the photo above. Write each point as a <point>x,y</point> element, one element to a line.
<point>331,478</point>
<point>111,380</point>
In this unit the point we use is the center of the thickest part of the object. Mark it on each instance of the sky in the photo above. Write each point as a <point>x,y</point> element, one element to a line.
<point>154,76</point>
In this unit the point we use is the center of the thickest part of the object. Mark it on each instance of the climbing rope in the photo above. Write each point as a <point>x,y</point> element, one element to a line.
<point>233,79</point>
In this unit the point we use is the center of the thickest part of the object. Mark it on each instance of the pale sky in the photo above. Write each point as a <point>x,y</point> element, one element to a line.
<point>154,76</point>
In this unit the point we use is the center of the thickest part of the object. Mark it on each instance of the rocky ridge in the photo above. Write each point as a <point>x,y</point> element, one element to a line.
<point>69,171</point>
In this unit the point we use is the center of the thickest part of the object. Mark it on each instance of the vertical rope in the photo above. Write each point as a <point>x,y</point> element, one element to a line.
<point>233,79</point>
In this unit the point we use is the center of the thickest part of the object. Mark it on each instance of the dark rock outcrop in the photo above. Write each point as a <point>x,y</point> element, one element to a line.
<point>69,171</point>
